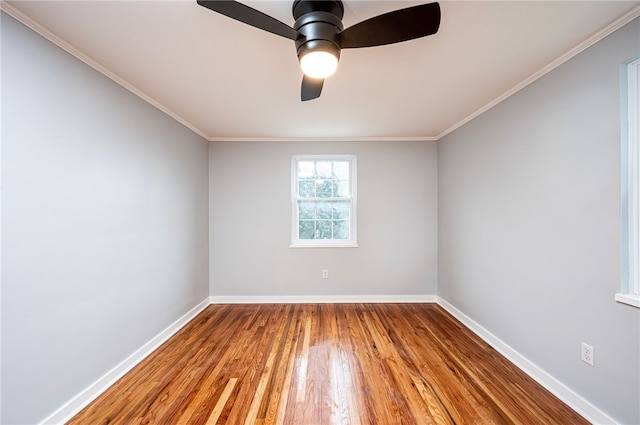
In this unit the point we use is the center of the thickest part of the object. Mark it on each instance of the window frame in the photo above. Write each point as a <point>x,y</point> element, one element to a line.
<point>296,242</point>
<point>630,184</point>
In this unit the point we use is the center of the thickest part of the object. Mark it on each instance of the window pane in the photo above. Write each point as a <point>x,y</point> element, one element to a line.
<point>323,229</point>
<point>340,230</point>
<point>306,169</point>
<point>341,189</point>
<point>306,188</point>
<point>324,210</point>
<point>341,170</point>
<point>324,199</point>
<point>306,210</point>
<point>323,169</point>
<point>306,229</point>
<point>341,210</point>
<point>324,188</point>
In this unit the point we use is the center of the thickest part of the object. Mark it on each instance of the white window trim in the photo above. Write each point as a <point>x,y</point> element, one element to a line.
<point>630,149</point>
<point>323,243</point>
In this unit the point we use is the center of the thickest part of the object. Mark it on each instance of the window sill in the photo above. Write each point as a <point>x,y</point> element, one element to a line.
<point>328,245</point>
<point>632,300</point>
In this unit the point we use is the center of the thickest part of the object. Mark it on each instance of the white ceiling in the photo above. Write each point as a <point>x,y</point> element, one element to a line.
<point>229,81</point>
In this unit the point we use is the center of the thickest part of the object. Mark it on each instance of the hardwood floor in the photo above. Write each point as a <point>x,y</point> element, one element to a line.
<point>333,364</point>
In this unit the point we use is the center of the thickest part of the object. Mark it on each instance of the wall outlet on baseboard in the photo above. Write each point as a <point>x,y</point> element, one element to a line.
<point>587,354</point>
<point>325,274</point>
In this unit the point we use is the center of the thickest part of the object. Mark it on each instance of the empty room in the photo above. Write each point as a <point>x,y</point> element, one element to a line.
<point>320,212</point>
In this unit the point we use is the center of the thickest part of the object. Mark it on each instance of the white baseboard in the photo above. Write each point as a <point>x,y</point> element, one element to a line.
<point>557,388</point>
<point>80,401</point>
<point>568,396</point>
<point>321,299</point>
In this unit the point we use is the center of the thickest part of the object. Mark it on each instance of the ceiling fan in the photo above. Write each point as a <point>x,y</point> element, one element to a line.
<point>319,35</point>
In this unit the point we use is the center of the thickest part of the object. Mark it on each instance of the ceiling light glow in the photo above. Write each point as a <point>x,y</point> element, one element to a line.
<point>319,64</point>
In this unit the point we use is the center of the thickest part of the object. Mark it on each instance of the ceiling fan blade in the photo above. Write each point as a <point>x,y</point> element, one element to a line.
<point>393,27</point>
<point>311,88</point>
<point>250,16</point>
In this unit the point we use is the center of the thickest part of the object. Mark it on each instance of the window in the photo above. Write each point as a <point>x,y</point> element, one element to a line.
<point>323,193</point>
<point>630,153</point>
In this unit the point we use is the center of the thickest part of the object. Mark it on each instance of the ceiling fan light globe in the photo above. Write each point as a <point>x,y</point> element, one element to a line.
<point>319,64</point>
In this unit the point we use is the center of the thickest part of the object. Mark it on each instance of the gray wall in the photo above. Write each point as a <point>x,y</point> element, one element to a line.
<point>104,224</point>
<point>529,225</point>
<point>251,221</point>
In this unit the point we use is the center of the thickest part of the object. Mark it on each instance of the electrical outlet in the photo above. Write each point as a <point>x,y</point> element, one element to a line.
<point>587,354</point>
<point>325,274</point>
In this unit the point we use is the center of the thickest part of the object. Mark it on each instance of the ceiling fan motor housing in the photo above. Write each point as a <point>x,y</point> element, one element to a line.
<point>319,21</point>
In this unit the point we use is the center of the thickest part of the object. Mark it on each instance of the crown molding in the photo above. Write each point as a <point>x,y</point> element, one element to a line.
<point>604,32</point>
<point>33,25</point>
<point>609,29</point>
<point>323,139</point>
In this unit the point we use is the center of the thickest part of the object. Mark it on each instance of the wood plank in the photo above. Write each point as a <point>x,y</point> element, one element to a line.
<point>222,401</point>
<point>333,364</point>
